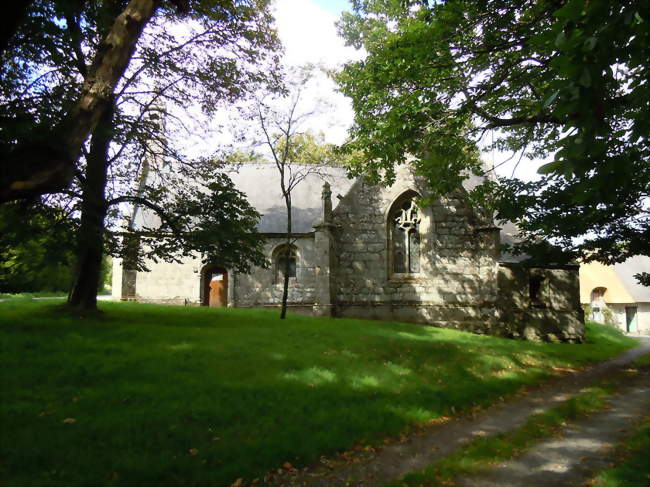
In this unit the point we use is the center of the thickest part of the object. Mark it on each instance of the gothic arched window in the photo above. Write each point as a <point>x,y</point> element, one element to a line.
<point>405,237</point>
<point>281,255</point>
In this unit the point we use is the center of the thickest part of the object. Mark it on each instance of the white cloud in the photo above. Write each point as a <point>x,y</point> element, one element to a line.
<point>309,34</point>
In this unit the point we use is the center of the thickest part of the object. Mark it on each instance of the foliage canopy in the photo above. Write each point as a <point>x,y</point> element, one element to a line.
<point>216,51</point>
<point>565,80</point>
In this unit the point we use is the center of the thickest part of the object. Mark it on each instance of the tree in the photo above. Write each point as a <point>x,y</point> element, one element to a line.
<point>218,54</point>
<point>565,80</point>
<point>34,244</point>
<point>277,134</point>
<point>44,162</point>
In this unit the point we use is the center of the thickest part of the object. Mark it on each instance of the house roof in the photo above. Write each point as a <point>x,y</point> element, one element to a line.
<point>625,272</point>
<point>508,236</point>
<point>618,279</point>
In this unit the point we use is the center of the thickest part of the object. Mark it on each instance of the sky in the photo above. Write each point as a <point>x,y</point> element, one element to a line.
<point>308,32</point>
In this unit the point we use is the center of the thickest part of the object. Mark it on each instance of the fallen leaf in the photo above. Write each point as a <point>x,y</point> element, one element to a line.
<point>287,466</point>
<point>215,438</point>
<point>69,420</point>
<point>237,483</point>
<point>193,451</point>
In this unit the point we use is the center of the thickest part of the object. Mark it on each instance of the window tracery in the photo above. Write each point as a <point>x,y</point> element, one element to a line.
<point>405,221</point>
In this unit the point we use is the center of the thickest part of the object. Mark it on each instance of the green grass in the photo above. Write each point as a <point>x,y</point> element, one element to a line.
<point>483,453</point>
<point>158,395</point>
<point>643,360</point>
<point>633,469</point>
<point>37,294</point>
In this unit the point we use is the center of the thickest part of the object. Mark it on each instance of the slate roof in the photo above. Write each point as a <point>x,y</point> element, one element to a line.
<point>261,183</point>
<point>508,236</point>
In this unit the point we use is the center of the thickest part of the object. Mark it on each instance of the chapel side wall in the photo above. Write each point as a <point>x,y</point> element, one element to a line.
<point>170,283</point>
<point>116,279</point>
<point>456,286</point>
<point>260,289</point>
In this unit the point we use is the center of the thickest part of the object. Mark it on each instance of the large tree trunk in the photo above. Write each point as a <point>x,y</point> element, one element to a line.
<point>90,240</point>
<point>30,171</point>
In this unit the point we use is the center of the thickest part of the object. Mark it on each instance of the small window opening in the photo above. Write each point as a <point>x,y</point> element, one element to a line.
<point>536,289</point>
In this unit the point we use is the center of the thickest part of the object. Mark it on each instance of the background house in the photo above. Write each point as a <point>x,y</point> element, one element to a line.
<point>613,295</point>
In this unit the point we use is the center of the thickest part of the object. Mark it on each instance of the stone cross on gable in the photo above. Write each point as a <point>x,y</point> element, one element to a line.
<point>327,203</point>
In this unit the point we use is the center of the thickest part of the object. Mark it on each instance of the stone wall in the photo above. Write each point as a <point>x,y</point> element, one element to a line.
<point>554,315</point>
<point>642,317</point>
<point>260,288</point>
<point>168,283</point>
<point>174,283</point>
<point>461,283</point>
<point>456,285</point>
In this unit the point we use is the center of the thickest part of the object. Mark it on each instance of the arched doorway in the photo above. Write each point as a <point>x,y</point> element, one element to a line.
<point>215,286</point>
<point>598,304</point>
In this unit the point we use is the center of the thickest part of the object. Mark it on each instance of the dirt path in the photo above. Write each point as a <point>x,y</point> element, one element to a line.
<point>585,446</point>
<point>418,451</point>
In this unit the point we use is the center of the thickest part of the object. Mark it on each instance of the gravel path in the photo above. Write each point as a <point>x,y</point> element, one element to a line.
<point>418,451</point>
<point>584,448</point>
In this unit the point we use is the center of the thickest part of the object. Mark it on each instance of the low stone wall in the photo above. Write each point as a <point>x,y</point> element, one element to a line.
<point>543,303</point>
<point>535,325</point>
<point>169,301</point>
<point>305,309</point>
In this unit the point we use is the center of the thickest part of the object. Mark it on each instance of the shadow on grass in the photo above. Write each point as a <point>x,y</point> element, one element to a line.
<point>194,396</point>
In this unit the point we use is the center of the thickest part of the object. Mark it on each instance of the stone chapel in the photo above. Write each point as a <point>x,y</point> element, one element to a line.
<point>365,251</point>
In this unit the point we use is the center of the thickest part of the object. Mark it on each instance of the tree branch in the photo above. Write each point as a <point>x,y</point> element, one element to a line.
<point>160,211</point>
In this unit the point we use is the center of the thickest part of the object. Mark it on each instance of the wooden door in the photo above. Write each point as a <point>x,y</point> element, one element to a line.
<point>218,289</point>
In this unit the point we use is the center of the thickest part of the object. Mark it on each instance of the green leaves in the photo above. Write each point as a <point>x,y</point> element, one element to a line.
<point>568,84</point>
<point>551,167</point>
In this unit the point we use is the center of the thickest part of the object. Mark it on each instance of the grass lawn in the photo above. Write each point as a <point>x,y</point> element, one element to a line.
<point>38,294</point>
<point>153,395</point>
